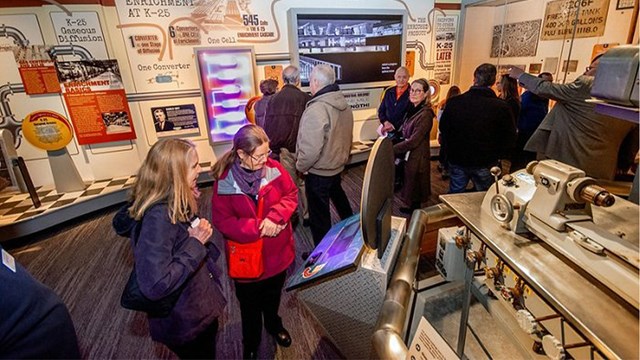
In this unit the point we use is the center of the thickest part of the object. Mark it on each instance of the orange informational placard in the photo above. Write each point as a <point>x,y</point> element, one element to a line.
<point>96,100</point>
<point>274,72</point>
<point>39,77</point>
<point>47,130</point>
<point>602,48</point>
<point>410,62</point>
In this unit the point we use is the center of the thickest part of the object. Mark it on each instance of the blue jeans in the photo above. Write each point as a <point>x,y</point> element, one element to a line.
<point>460,175</point>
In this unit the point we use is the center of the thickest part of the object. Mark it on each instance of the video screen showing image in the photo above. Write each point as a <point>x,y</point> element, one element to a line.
<point>338,252</point>
<point>360,48</point>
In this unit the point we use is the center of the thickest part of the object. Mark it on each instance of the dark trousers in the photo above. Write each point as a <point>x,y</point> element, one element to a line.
<point>258,299</point>
<point>202,347</point>
<point>321,189</point>
<point>460,176</point>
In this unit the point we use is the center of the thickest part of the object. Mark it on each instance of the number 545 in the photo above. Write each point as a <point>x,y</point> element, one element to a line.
<point>250,19</point>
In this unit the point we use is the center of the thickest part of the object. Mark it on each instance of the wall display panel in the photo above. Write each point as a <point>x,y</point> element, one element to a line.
<point>227,79</point>
<point>154,42</point>
<point>596,22</point>
<point>175,120</point>
<point>589,19</point>
<point>446,31</point>
<point>96,100</point>
<point>515,40</point>
<point>81,34</point>
<point>364,48</point>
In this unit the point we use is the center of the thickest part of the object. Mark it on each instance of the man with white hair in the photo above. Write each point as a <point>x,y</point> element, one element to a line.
<point>323,148</point>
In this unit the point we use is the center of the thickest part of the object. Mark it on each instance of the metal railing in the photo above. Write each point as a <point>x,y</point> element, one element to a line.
<point>388,335</point>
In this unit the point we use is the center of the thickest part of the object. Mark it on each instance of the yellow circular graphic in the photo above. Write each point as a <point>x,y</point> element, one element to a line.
<point>47,130</point>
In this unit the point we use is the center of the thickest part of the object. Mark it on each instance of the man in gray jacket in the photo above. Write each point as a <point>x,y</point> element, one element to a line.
<point>323,147</point>
<point>572,132</point>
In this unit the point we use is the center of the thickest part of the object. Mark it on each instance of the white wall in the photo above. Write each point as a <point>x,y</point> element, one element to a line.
<point>477,37</point>
<point>122,158</point>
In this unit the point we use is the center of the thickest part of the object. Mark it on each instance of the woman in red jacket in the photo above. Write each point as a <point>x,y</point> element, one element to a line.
<point>247,180</point>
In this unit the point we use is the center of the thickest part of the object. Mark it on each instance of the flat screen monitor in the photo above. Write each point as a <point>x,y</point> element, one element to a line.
<point>364,47</point>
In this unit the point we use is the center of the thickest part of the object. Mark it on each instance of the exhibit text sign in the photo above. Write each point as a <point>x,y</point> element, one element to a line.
<point>560,19</point>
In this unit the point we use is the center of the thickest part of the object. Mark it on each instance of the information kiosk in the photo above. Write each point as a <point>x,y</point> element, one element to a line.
<point>344,280</point>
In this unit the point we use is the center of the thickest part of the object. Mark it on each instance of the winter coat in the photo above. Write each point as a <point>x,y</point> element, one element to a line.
<point>417,170</point>
<point>477,128</point>
<point>260,109</point>
<point>573,132</point>
<point>282,120</point>
<point>393,109</point>
<point>35,323</point>
<point>326,133</point>
<point>166,257</point>
<point>234,214</point>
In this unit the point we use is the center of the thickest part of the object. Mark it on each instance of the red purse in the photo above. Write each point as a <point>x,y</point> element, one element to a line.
<point>245,259</point>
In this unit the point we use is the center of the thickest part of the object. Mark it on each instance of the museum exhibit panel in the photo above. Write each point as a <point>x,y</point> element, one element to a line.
<point>538,266</point>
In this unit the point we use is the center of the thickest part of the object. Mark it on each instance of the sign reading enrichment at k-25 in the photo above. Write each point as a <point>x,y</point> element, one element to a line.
<point>96,100</point>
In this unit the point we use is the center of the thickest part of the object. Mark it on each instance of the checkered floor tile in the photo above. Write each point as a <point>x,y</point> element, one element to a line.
<point>17,207</point>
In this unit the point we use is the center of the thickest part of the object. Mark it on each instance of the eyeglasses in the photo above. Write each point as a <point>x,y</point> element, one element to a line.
<point>416,90</point>
<point>261,156</point>
<point>589,68</point>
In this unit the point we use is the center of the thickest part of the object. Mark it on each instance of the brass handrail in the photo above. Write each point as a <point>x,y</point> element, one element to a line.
<point>387,338</point>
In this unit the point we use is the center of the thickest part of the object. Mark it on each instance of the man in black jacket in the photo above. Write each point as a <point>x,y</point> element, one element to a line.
<point>479,130</point>
<point>34,322</point>
<point>281,123</point>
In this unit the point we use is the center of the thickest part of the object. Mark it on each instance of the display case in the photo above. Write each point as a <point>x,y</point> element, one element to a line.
<point>558,36</point>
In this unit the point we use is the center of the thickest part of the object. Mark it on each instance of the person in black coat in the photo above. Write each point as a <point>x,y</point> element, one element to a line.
<point>533,109</point>
<point>479,130</point>
<point>172,251</point>
<point>34,322</point>
<point>392,114</point>
<point>415,148</point>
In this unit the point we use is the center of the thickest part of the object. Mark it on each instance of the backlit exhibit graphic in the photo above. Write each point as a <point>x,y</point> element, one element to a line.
<point>227,82</point>
<point>360,48</point>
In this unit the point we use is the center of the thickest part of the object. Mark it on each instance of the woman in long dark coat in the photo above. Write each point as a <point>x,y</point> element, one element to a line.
<point>415,130</point>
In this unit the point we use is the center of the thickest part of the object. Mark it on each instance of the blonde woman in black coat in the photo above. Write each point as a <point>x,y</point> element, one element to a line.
<point>415,147</point>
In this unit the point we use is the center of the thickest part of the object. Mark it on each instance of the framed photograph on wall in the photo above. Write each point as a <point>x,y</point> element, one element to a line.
<point>624,4</point>
<point>535,68</point>
<point>227,80</point>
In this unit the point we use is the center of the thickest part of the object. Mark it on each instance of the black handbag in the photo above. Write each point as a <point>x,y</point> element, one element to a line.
<point>133,299</point>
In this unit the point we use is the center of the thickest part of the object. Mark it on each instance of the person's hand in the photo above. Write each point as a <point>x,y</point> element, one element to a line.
<point>269,228</point>
<point>515,72</point>
<point>202,232</point>
<point>387,126</point>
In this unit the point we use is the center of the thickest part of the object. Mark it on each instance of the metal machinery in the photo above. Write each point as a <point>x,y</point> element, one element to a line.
<point>561,256</point>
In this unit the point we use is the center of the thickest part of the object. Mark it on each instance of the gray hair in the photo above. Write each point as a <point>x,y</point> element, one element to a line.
<point>402,68</point>
<point>291,75</point>
<point>323,74</point>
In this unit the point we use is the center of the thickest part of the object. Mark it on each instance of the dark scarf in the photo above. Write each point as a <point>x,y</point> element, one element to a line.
<point>247,180</point>
<point>412,110</point>
<point>327,89</point>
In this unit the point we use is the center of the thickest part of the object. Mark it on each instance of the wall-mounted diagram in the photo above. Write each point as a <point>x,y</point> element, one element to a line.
<point>227,78</point>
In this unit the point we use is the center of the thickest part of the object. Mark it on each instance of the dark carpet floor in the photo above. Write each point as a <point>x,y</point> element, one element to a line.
<point>87,264</point>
